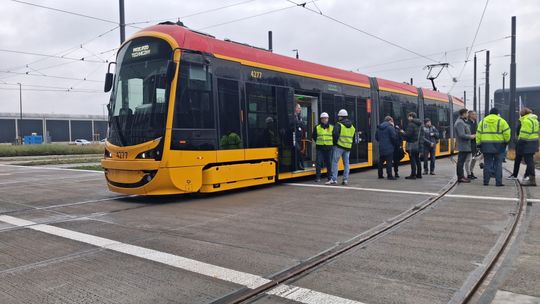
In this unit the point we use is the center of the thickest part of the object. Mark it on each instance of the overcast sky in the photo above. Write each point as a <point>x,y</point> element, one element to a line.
<point>439,29</point>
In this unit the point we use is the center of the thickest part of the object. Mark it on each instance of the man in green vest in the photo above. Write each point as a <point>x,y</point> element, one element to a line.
<point>343,138</point>
<point>526,146</point>
<point>322,135</point>
<point>492,136</point>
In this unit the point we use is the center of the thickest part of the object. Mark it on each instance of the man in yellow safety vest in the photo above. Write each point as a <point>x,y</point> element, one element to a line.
<point>343,138</point>
<point>322,135</point>
<point>492,136</point>
<point>526,146</point>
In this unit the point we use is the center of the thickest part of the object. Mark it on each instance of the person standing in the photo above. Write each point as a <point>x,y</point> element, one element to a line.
<point>473,157</point>
<point>431,136</point>
<point>398,151</point>
<point>343,139</point>
<point>492,136</point>
<point>386,137</point>
<point>463,143</point>
<point>322,135</point>
<point>299,129</point>
<point>413,136</point>
<point>526,146</point>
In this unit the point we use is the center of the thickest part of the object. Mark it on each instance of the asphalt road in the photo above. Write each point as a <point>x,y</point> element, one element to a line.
<point>64,238</point>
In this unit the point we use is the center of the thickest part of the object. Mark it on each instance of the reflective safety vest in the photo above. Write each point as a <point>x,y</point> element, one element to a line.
<point>529,127</point>
<point>324,136</point>
<point>492,129</point>
<point>346,136</point>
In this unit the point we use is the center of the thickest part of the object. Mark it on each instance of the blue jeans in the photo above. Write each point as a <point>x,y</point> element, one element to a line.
<point>493,167</point>
<point>324,160</point>
<point>336,155</point>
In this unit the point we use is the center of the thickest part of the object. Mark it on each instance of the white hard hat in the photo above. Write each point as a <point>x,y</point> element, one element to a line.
<point>324,115</point>
<point>343,113</point>
<point>269,119</point>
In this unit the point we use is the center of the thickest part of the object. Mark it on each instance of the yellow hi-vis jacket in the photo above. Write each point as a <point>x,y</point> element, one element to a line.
<point>324,135</point>
<point>528,134</point>
<point>492,134</point>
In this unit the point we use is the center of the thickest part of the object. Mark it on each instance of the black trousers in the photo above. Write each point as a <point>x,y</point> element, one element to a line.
<point>462,156</point>
<point>416,164</point>
<point>388,159</point>
<point>529,160</point>
<point>429,154</point>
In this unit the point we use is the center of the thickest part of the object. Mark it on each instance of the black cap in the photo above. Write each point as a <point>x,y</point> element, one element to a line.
<point>427,119</point>
<point>494,111</point>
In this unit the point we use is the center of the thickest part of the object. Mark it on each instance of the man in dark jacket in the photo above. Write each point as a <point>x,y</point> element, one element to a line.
<point>414,137</point>
<point>463,143</point>
<point>386,137</point>
<point>526,146</point>
<point>431,136</point>
<point>472,157</point>
<point>398,151</point>
<point>343,136</point>
<point>299,130</point>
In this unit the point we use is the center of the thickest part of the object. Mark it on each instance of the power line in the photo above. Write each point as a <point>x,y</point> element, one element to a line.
<point>303,5</point>
<point>67,12</point>
<point>249,17</point>
<point>194,14</point>
<point>49,56</point>
<point>472,43</point>
<point>49,76</point>
<point>432,54</point>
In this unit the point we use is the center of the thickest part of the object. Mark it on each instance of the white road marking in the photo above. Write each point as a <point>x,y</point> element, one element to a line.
<point>506,297</point>
<point>494,198</point>
<point>298,294</point>
<point>363,189</point>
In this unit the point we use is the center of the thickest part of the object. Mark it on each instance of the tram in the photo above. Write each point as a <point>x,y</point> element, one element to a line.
<point>192,113</point>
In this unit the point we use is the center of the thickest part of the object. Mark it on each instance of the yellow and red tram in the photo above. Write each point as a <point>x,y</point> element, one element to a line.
<point>191,113</point>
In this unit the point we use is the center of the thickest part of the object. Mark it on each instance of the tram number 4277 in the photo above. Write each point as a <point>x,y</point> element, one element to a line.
<point>122,155</point>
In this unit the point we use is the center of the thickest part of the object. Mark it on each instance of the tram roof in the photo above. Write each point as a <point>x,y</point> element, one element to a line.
<point>264,59</point>
<point>430,94</point>
<point>256,57</point>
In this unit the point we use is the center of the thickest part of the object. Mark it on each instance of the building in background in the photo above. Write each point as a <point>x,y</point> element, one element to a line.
<point>526,96</point>
<point>53,127</point>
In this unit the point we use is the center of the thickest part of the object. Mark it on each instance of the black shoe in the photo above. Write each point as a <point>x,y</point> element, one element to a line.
<point>425,172</point>
<point>419,176</point>
<point>473,177</point>
<point>410,177</point>
<point>431,173</point>
<point>381,177</point>
<point>486,184</point>
<point>499,185</point>
<point>396,175</point>
<point>391,178</point>
<point>469,176</point>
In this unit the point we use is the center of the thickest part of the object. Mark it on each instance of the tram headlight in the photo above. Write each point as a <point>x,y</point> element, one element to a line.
<point>150,154</point>
<point>107,154</point>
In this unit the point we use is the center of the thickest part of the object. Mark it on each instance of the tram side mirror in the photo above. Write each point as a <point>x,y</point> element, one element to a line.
<point>108,82</point>
<point>171,70</point>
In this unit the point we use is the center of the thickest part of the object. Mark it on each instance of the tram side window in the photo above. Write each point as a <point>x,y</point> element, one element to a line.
<point>194,103</point>
<point>397,106</point>
<point>229,115</point>
<point>262,116</point>
<point>327,105</point>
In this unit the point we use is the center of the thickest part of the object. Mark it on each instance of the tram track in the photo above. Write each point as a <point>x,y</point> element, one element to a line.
<point>295,272</point>
<point>475,285</point>
<point>472,288</point>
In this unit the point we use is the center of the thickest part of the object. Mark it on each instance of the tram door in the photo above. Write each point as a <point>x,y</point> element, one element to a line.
<point>310,116</point>
<point>358,114</point>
